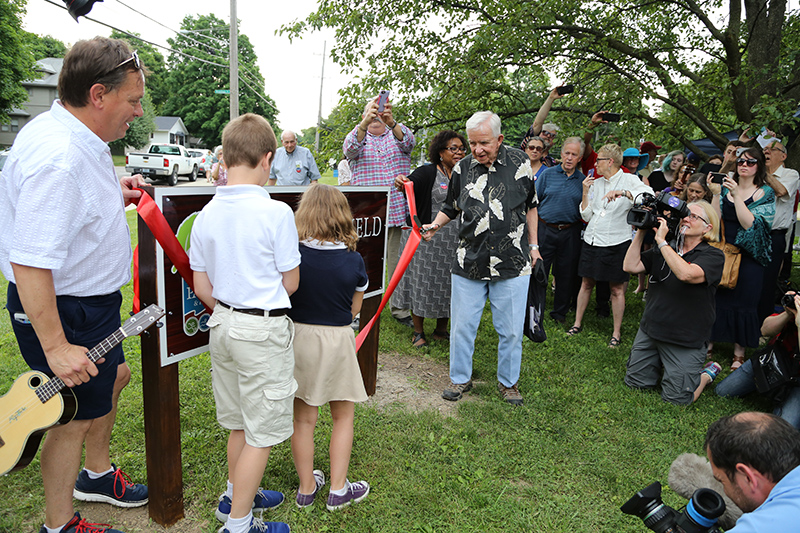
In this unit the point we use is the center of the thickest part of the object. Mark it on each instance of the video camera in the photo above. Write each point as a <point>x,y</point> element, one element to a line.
<point>699,516</point>
<point>671,208</point>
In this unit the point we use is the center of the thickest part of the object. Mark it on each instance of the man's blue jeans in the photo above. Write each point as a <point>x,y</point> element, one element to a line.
<point>508,299</point>
<point>740,383</point>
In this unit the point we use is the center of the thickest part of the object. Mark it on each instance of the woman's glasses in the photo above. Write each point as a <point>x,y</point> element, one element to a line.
<point>534,148</point>
<point>692,216</point>
<point>749,162</point>
<point>457,149</point>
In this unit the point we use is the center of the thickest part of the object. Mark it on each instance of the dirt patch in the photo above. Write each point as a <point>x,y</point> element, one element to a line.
<point>138,521</point>
<point>414,382</point>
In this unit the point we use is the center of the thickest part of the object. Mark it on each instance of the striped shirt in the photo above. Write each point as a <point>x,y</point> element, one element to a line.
<point>377,160</point>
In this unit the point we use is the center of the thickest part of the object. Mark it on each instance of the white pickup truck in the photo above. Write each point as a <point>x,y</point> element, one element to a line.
<point>163,161</point>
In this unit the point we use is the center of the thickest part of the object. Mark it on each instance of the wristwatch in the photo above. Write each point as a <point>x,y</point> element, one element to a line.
<point>533,246</point>
<point>663,244</point>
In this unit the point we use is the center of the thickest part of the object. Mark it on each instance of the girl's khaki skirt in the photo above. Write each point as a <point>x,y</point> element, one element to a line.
<point>325,365</point>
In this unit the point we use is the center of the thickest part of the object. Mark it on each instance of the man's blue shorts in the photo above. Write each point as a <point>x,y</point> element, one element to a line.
<point>86,322</point>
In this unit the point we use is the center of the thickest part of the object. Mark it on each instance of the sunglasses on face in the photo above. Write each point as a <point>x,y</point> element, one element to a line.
<point>547,134</point>
<point>748,162</point>
<point>534,148</point>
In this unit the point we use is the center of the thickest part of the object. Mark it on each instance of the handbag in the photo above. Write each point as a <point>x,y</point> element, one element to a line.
<point>534,310</point>
<point>733,258</point>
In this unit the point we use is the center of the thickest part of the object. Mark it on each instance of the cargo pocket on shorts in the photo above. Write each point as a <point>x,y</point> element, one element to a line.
<point>276,415</point>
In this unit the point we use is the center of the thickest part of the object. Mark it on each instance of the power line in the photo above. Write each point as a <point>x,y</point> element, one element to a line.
<point>133,36</point>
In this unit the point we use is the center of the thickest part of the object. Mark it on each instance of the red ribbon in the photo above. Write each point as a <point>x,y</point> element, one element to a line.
<point>402,263</point>
<point>154,219</point>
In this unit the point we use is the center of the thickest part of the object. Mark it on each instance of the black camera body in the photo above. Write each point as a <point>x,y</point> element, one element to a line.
<point>671,208</point>
<point>699,516</point>
<point>787,300</point>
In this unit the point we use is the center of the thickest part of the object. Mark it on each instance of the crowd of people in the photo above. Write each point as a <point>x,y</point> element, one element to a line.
<point>284,287</point>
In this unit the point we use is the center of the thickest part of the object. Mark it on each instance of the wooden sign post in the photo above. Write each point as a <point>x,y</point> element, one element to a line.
<point>185,332</point>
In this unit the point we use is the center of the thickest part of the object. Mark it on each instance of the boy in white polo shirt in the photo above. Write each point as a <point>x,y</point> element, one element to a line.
<point>245,257</point>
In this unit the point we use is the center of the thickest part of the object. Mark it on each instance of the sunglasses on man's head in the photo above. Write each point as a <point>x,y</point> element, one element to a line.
<point>749,162</point>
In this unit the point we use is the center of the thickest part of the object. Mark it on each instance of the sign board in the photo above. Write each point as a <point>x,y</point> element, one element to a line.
<point>222,91</point>
<point>186,332</point>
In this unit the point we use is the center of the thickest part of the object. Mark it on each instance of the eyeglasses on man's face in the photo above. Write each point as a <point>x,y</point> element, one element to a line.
<point>546,133</point>
<point>749,162</point>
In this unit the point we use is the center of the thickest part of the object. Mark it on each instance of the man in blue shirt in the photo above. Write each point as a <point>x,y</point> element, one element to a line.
<point>756,457</point>
<point>293,165</point>
<point>560,190</point>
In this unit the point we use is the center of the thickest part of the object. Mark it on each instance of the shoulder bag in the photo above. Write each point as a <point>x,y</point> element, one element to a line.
<point>733,258</point>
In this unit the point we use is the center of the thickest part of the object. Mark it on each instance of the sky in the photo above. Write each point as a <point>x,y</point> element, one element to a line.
<point>291,70</point>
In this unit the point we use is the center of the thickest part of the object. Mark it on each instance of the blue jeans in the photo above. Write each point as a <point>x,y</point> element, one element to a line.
<point>508,299</point>
<point>740,383</point>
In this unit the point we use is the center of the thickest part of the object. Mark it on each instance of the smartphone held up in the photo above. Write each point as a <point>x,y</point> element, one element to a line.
<point>383,97</point>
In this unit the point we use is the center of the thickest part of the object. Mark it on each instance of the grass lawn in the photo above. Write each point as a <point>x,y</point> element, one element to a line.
<point>580,447</point>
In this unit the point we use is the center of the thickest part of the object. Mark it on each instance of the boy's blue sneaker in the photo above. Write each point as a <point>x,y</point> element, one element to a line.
<point>258,526</point>
<point>79,525</point>
<point>355,493</point>
<point>115,488</point>
<point>265,499</point>
<point>304,500</point>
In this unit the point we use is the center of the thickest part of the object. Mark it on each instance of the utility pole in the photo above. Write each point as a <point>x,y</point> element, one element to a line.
<point>234,62</point>
<point>319,113</point>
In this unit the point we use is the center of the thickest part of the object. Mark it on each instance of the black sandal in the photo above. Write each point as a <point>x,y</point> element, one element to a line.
<point>574,330</point>
<point>419,337</point>
<point>614,342</point>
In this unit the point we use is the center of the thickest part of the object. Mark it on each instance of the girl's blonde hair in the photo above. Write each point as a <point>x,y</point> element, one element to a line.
<point>324,214</point>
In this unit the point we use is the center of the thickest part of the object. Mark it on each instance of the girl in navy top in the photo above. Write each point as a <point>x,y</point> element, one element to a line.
<point>332,284</point>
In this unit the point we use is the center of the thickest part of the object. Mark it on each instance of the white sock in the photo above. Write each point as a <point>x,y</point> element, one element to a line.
<point>239,525</point>
<point>229,492</point>
<point>343,490</point>
<point>53,529</point>
<point>95,475</point>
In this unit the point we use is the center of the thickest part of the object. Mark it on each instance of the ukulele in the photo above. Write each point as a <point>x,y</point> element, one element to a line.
<point>36,402</point>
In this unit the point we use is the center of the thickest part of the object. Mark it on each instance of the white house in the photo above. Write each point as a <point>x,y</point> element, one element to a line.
<point>170,130</point>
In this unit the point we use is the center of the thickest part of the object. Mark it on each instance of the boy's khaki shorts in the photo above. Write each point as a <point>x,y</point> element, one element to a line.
<point>252,364</point>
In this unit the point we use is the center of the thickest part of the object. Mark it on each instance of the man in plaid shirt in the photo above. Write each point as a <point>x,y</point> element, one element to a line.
<point>379,149</point>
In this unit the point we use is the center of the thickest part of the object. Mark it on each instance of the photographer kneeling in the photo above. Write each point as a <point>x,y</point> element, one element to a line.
<point>680,308</point>
<point>781,328</point>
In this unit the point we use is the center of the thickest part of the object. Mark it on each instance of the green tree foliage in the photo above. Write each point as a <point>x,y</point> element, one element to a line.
<point>448,59</point>
<point>42,46</point>
<point>138,135</point>
<point>16,60</point>
<point>154,61</point>
<point>191,81</point>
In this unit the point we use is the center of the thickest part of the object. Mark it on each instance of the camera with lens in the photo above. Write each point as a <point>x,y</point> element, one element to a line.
<point>787,300</point>
<point>671,208</point>
<point>699,516</point>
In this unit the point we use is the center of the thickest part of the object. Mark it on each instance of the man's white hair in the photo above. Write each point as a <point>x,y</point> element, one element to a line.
<point>286,133</point>
<point>550,127</point>
<point>575,140</point>
<point>484,117</point>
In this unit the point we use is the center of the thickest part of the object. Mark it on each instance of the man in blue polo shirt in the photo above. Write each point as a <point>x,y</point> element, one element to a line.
<point>756,457</point>
<point>559,189</point>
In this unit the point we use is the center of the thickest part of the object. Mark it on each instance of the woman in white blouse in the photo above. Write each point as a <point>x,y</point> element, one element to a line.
<point>607,198</point>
